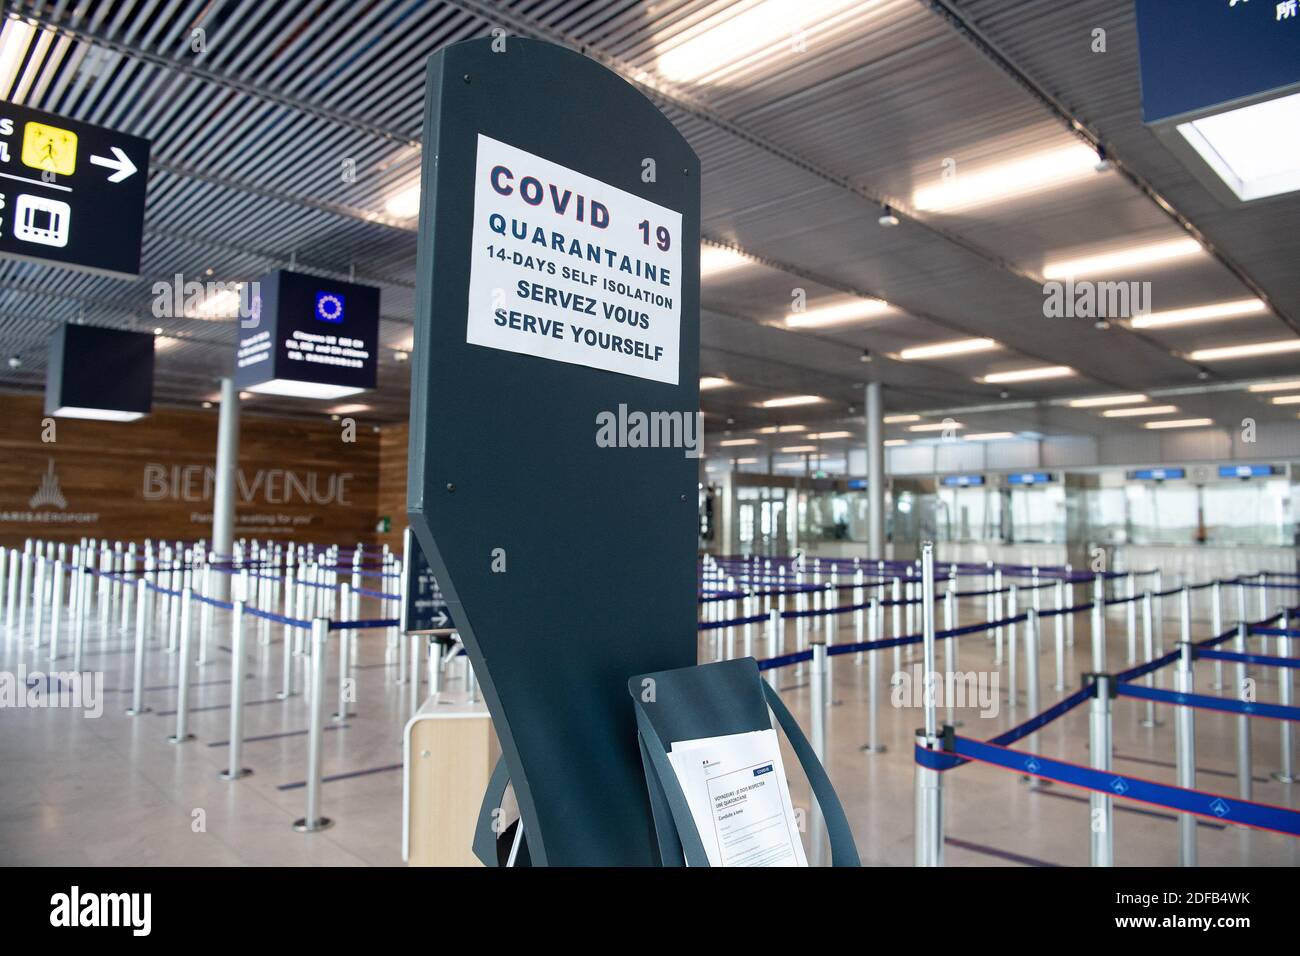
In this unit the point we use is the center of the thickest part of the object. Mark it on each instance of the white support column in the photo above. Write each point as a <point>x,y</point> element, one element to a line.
<point>875,472</point>
<point>223,497</point>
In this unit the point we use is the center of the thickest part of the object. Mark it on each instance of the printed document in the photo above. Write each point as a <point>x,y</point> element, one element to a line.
<point>736,789</point>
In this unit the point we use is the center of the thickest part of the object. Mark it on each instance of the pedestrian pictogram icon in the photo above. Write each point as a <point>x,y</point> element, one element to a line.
<point>50,149</point>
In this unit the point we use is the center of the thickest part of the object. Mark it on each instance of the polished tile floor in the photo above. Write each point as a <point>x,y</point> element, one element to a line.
<point>113,790</point>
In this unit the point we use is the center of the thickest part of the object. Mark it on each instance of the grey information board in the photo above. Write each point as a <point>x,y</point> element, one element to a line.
<point>557,310</point>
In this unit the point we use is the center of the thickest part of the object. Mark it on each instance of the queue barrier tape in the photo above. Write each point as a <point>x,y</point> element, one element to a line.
<point>278,618</point>
<point>1275,631</point>
<point>784,660</point>
<point>378,594</point>
<point>1141,670</point>
<point>1251,658</point>
<point>1208,702</point>
<point>1262,816</point>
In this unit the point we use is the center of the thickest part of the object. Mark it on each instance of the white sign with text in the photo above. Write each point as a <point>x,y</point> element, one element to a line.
<point>568,268</point>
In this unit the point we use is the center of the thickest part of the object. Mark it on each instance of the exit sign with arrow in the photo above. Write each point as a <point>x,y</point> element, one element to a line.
<point>71,193</point>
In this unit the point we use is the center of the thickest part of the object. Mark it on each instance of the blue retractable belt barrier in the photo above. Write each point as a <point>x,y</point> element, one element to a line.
<point>784,660</point>
<point>1141,670</point>
<point>277,618</point>
<point>1248,813</point>
<point>1275,631</point>
<point>1208,702</point>
<point>1251,658</point>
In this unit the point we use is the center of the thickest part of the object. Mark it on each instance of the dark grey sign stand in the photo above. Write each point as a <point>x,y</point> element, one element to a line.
<point>598,544</point>
<point>715,700</point>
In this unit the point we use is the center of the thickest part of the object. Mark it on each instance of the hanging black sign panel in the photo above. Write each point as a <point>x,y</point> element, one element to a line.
<point>554,418</point>
<point>308,337</point>
<point>71,193</point>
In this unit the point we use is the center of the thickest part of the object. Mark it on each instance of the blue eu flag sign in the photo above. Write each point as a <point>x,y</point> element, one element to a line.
<point>329,306</point>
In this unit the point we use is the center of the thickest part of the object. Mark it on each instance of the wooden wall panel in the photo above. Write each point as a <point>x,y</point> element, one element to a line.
<point>392,483</point>
<point>152,478</point>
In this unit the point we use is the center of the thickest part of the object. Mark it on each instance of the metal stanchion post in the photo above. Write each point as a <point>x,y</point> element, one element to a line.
<point>1216,623</point>
<point>1059,624</point>
<point>1244,769</point>
<point>1099,744</point>
<point>345,656</point>
<point>928,783</point>
<point>1131,619</point>
<point>1099,624</point>
<point>235,769</point>
<point>1013,609</point>
<point>56,608</point>
<point>1031,659</point>
<point>773,633</point>
<point>24,588</point>
<point>1148,648</point>
<point>997,616</point>
<point>141,618</point>
<point>316,730</point>
<point>183,673</point>
<point>896,595</point>
<point>949,649</point>
<point>83,611</point>
<point>817,699</point>
<point>38,610</point>
<point>875,619</point>
<point>1285,772</point>
<point>1185,744</point>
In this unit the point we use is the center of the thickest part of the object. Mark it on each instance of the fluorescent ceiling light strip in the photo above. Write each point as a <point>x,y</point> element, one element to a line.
<point>715,260</point>
<point>1124,260</point>
<point>736,442</point>
<point>820,436</point>
<point>1201,313</point>
<point>1011,180</point>
<point>895,442</point>
<point>781,429</point>
<point>1029,374</point>
<point>988,436</point>
<point>944,349</point>
<point>713,381</point>
<point>838,313</point>
<point>14,40</point>
<point>1180,423</point>
<point>1287,400</point>
<point>799,449</point>
<point>404,204</point>
<point>725,43</point>
<point>935,426</point>
<point>789,401</point>
<point>1250,350</point>
<point>1102,400</point>
<point>1137,412</point>
<point>900,419</point>
<point>1275,386</point>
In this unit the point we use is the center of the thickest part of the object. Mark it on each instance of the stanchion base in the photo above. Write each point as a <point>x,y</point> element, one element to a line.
<point>351,713</point>
<point>302,826</point>
<point>281,695</point>
<point>1281,777</point>
<point>227,775</point>
<point>132,712</point>
<point>869,749</point>
<point>1151,723</point>
<point>1034,783</point>
<point>173,739</point>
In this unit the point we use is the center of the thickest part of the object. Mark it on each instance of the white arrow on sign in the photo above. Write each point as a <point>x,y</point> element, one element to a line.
<point>441,619</point>
<point>122,164</point>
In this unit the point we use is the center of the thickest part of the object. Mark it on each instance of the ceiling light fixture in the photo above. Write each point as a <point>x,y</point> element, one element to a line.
<point>988,436</point>
<point>935,426</point>
<point>799,449</point>
<point>895,442</point>
<point>708,382</point>
<point>728,42</point>
<point>1200,313</point>
<point>838,313</point>
<point>1139,412</point>
<point>789,401</point>
<point>715,260</point>
<point>1124,260</point>
<point>1044,170</point>
<point>945,349</point>
<point>1275,386</point>
<point>901,419</point>
<point>1180,423</point>
<point>16,37</point>
<point>1254,149</point>
<point>1103,400</point>
<point>1250,350</point>
<point>1287,400</point>
<point>821,436</point>
<point>1034,374</point>
<point>404,204</point>
<point>737,442</point>
<point>887,218</point>
<point>782,429</point>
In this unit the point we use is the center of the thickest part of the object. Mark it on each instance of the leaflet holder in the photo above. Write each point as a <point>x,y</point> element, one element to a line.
<point>713,700</point>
